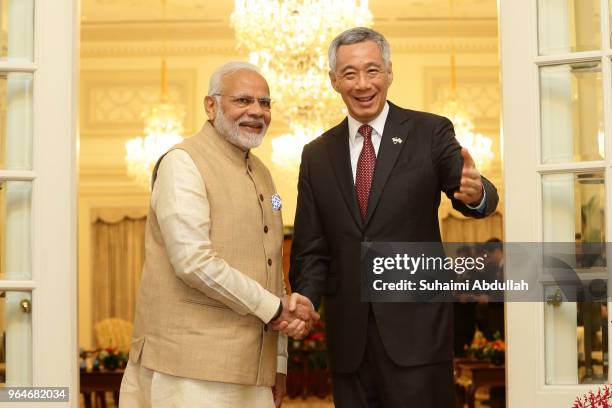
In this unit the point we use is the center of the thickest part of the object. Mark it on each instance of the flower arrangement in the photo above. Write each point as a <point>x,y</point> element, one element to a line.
<point>484,349</point>
<point>307,366</point>
<point>592,400</point>
<point>112,358</point>
<point>311,349</point>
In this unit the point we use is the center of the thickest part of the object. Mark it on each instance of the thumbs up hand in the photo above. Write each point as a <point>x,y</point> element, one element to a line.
<point>471,189</point>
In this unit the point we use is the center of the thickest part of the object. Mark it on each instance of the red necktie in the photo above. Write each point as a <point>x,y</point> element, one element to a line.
<point>365,169</point>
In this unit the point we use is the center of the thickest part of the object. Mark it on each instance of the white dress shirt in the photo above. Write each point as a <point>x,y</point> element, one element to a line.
<point>183,213</point>
<point>356,140</point>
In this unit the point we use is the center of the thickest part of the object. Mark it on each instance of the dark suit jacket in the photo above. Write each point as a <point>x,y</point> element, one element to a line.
<point>403,207</point>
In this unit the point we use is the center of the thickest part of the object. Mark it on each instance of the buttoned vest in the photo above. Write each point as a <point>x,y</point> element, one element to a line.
<point>179,330</point>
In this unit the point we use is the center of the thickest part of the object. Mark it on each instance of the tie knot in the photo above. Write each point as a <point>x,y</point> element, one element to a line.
<point>365,131</point>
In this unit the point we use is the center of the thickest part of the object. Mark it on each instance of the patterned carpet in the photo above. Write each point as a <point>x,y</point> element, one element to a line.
<point>311,402</point>
<point>314,402</point>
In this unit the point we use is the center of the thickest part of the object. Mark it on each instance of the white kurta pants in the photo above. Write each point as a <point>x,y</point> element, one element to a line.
<point>143,388</point>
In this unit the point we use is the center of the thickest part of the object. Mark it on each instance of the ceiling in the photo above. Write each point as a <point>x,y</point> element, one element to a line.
<point>206,11</point>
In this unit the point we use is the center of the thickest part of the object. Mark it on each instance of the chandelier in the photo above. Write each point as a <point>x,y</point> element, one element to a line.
<point>288,40</point>
<point>163,129</point>
<point>478,145</point>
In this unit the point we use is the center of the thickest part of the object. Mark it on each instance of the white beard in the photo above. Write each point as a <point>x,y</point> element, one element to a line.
<point>232,132</point>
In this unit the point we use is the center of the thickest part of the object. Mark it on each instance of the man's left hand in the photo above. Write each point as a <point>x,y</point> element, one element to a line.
<point>470,191</point>
<point>279,389</point>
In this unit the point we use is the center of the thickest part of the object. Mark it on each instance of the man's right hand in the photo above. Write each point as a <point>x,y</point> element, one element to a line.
<point>298,316</point>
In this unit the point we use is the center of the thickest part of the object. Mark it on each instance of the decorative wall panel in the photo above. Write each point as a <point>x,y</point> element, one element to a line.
<point>112,102</point>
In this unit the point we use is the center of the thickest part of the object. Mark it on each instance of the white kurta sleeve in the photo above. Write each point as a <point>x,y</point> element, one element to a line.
<point>183,213</point>
<point>282,355</point>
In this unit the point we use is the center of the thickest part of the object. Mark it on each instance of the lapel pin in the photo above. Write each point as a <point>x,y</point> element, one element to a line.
<point>277,203</point>
<point>396,140</point>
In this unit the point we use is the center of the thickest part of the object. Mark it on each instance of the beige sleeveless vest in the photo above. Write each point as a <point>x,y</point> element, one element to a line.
<point>181,331</point>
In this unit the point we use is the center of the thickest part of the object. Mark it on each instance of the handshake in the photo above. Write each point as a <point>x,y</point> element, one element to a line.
<point>297,317</point>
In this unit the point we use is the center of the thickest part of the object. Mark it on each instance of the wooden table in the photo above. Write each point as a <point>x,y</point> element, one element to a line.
<point>99,382</point>
<point>471,375</point>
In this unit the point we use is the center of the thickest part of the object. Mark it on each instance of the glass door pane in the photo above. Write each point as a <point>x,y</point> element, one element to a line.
<point>576,332</point>
<point>15,230</point>
<point>571,110</point>
<point>15,338</point>
<point>566,26</point>
<point>574,207</point>
<point>17,29</point>
<point>16,121</point>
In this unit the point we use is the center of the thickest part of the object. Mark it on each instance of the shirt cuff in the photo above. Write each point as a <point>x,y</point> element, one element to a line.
<point>483,203</point>
<point>267,307</point>
<point>281,364</point>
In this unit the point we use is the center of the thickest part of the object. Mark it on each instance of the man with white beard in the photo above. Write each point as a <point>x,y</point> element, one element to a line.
<point>212,300</point>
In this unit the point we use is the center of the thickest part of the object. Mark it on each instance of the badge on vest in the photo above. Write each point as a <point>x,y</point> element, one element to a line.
<point>277,203</point>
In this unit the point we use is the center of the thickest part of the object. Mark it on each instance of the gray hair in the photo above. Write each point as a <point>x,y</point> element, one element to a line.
<point>214,85</point>
<point>356,35</point>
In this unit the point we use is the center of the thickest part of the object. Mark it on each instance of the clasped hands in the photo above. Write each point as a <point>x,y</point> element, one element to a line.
<point>297,318</point>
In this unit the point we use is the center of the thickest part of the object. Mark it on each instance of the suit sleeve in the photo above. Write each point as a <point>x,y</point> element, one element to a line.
<point>309,250</point>
<point>448,163</point>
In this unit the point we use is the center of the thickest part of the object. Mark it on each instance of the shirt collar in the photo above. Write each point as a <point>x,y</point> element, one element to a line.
<point>378,123</point>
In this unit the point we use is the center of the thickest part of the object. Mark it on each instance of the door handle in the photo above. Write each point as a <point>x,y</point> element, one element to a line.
<point>26,306</point>
<point>554,300</point>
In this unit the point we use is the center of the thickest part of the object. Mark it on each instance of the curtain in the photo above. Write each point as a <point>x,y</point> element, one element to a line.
<point>117,260</point>
<point>461,229</point>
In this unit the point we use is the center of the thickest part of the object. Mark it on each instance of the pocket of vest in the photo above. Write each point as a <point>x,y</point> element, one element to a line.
<point>136,346</point>
<point>207,302</point>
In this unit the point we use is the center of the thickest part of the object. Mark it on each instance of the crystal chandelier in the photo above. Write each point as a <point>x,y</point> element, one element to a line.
<point>478,145</point>
<point>163,129</point>
<point>292,54</point>
<point>287,148</point>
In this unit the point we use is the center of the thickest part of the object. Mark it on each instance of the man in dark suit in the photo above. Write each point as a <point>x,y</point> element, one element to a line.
<point>377,176</point>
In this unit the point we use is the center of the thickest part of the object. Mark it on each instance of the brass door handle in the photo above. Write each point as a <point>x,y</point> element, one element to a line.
<point>554,300</point>
<point>26,305</point>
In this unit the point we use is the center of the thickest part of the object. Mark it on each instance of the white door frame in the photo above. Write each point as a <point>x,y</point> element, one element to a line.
<point>525,361</point>
<point>53,225</point>
<point>55,209</point>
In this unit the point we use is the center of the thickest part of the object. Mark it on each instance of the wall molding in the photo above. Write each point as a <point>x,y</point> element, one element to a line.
<point>213,36</point>
<point>185,49</point>
<point>153,49</point>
